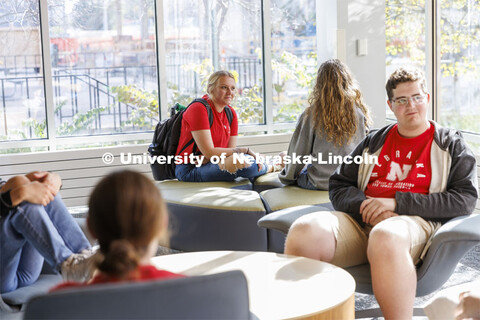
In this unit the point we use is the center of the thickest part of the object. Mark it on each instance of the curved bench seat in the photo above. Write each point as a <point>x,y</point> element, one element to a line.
<point>205,216</point>
<point>240,183</point>
<point>267,181</point>
<point>291,196</point>
<point>224,215</point>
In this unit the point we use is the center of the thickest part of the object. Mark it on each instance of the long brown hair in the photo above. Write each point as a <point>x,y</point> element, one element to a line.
<point>333,103</point>
<point>126,213</point>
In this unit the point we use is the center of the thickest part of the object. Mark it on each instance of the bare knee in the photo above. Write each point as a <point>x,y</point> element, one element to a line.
<point>309,237</point>
<point>387,245</point>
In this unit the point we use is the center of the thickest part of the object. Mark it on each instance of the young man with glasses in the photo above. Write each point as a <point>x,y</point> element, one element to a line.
<point>388,212</point>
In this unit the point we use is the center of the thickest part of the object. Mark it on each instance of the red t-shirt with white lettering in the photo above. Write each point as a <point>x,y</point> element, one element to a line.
<point>196,118</point>
<point>403,165</point>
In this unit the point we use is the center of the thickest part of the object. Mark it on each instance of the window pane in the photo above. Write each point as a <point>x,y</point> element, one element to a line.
<point>22,114</point>
<point>104,66</point>
<point>294,58</point>
<point>203,36</point>
<point>459,74</point>
<point>405,36</point>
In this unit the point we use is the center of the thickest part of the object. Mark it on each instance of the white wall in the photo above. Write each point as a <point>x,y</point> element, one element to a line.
<point>365,19</point>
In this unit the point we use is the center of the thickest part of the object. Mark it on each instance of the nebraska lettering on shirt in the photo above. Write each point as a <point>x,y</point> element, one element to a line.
<point>404,165</point>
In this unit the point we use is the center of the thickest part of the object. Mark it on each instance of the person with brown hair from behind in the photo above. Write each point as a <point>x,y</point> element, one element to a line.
<point>128,217</point>
<point>335,121</point>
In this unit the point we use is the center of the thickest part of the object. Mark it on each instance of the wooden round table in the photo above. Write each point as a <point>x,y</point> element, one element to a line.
<point>279,286</point>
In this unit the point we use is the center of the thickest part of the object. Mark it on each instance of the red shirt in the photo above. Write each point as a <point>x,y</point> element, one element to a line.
<point>196,118</point>
<point>403,165</point>
<point>145,273</point>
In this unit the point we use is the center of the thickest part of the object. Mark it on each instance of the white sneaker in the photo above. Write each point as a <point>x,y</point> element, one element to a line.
<point>79,267</point>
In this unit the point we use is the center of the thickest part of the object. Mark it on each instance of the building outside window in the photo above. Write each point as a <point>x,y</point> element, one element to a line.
<point>106,71</point>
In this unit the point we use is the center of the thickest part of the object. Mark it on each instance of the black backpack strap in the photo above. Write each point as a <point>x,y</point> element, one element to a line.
<point>228,111</point>
<point>229,114</point>
<point>207,106</point>
<point>210,121</point>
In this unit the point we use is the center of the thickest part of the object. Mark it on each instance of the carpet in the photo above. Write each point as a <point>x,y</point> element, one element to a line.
<point>466,271</point>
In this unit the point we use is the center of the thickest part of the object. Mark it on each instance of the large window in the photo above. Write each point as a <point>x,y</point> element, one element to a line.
<point>294,56</point>
<point>405,35</point>
<point>202,36</point>
<point>443,37</point>
<point>104,68</point>
<point>459,65</point>
<point>23,112</point>
<point>78,73</point>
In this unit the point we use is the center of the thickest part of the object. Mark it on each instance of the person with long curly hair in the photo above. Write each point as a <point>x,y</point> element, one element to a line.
<point>336,120</point>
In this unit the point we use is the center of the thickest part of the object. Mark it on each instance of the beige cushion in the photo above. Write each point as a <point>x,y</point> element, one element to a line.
<point>286,197</point>
<point>269,179</point>
<point>175,184</point>
<point>215,198</point>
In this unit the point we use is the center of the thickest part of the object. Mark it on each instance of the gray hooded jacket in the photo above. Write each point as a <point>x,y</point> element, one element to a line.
<point>453,188</point>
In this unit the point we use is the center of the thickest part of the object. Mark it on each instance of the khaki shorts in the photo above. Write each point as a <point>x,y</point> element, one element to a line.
<point>352,239</point>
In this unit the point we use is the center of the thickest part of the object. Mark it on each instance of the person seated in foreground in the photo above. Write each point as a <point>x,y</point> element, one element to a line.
<point>36,226</point>
<point>334,123</point>
<point>128,217</point>
<point>389,211</point>
<point>219,140</point>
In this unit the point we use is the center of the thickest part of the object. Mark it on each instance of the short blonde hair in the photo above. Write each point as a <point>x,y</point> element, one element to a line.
<point>213,79</point>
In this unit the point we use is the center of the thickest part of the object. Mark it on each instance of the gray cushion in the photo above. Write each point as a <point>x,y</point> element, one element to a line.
<point>216,296</point>
<point>281,220</point>
<point>451,242</point>
<point>41,286</point>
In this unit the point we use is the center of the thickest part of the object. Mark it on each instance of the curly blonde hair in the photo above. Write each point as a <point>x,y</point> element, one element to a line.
<point>333,102</point>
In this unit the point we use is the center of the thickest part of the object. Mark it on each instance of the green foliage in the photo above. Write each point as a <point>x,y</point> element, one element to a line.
<point>143,104</point>
<point>459,24</point>
<point>80,122</point>
<point>302,72</point>
<point>454,119</point>
<point>38,128</point>
<point>249,101</point>
<point>249,105</point>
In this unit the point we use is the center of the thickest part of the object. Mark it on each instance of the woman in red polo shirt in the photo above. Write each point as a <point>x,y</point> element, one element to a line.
<point>214,146</point>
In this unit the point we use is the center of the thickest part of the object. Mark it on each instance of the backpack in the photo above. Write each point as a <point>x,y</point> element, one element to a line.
<point>166,137</point>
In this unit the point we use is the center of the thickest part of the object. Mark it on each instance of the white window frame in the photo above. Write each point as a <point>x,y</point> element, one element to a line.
<point>52,142</point>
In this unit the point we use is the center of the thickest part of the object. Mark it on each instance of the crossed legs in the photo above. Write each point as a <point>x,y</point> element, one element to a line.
<point>391,248</point>
<point>33,233</point>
